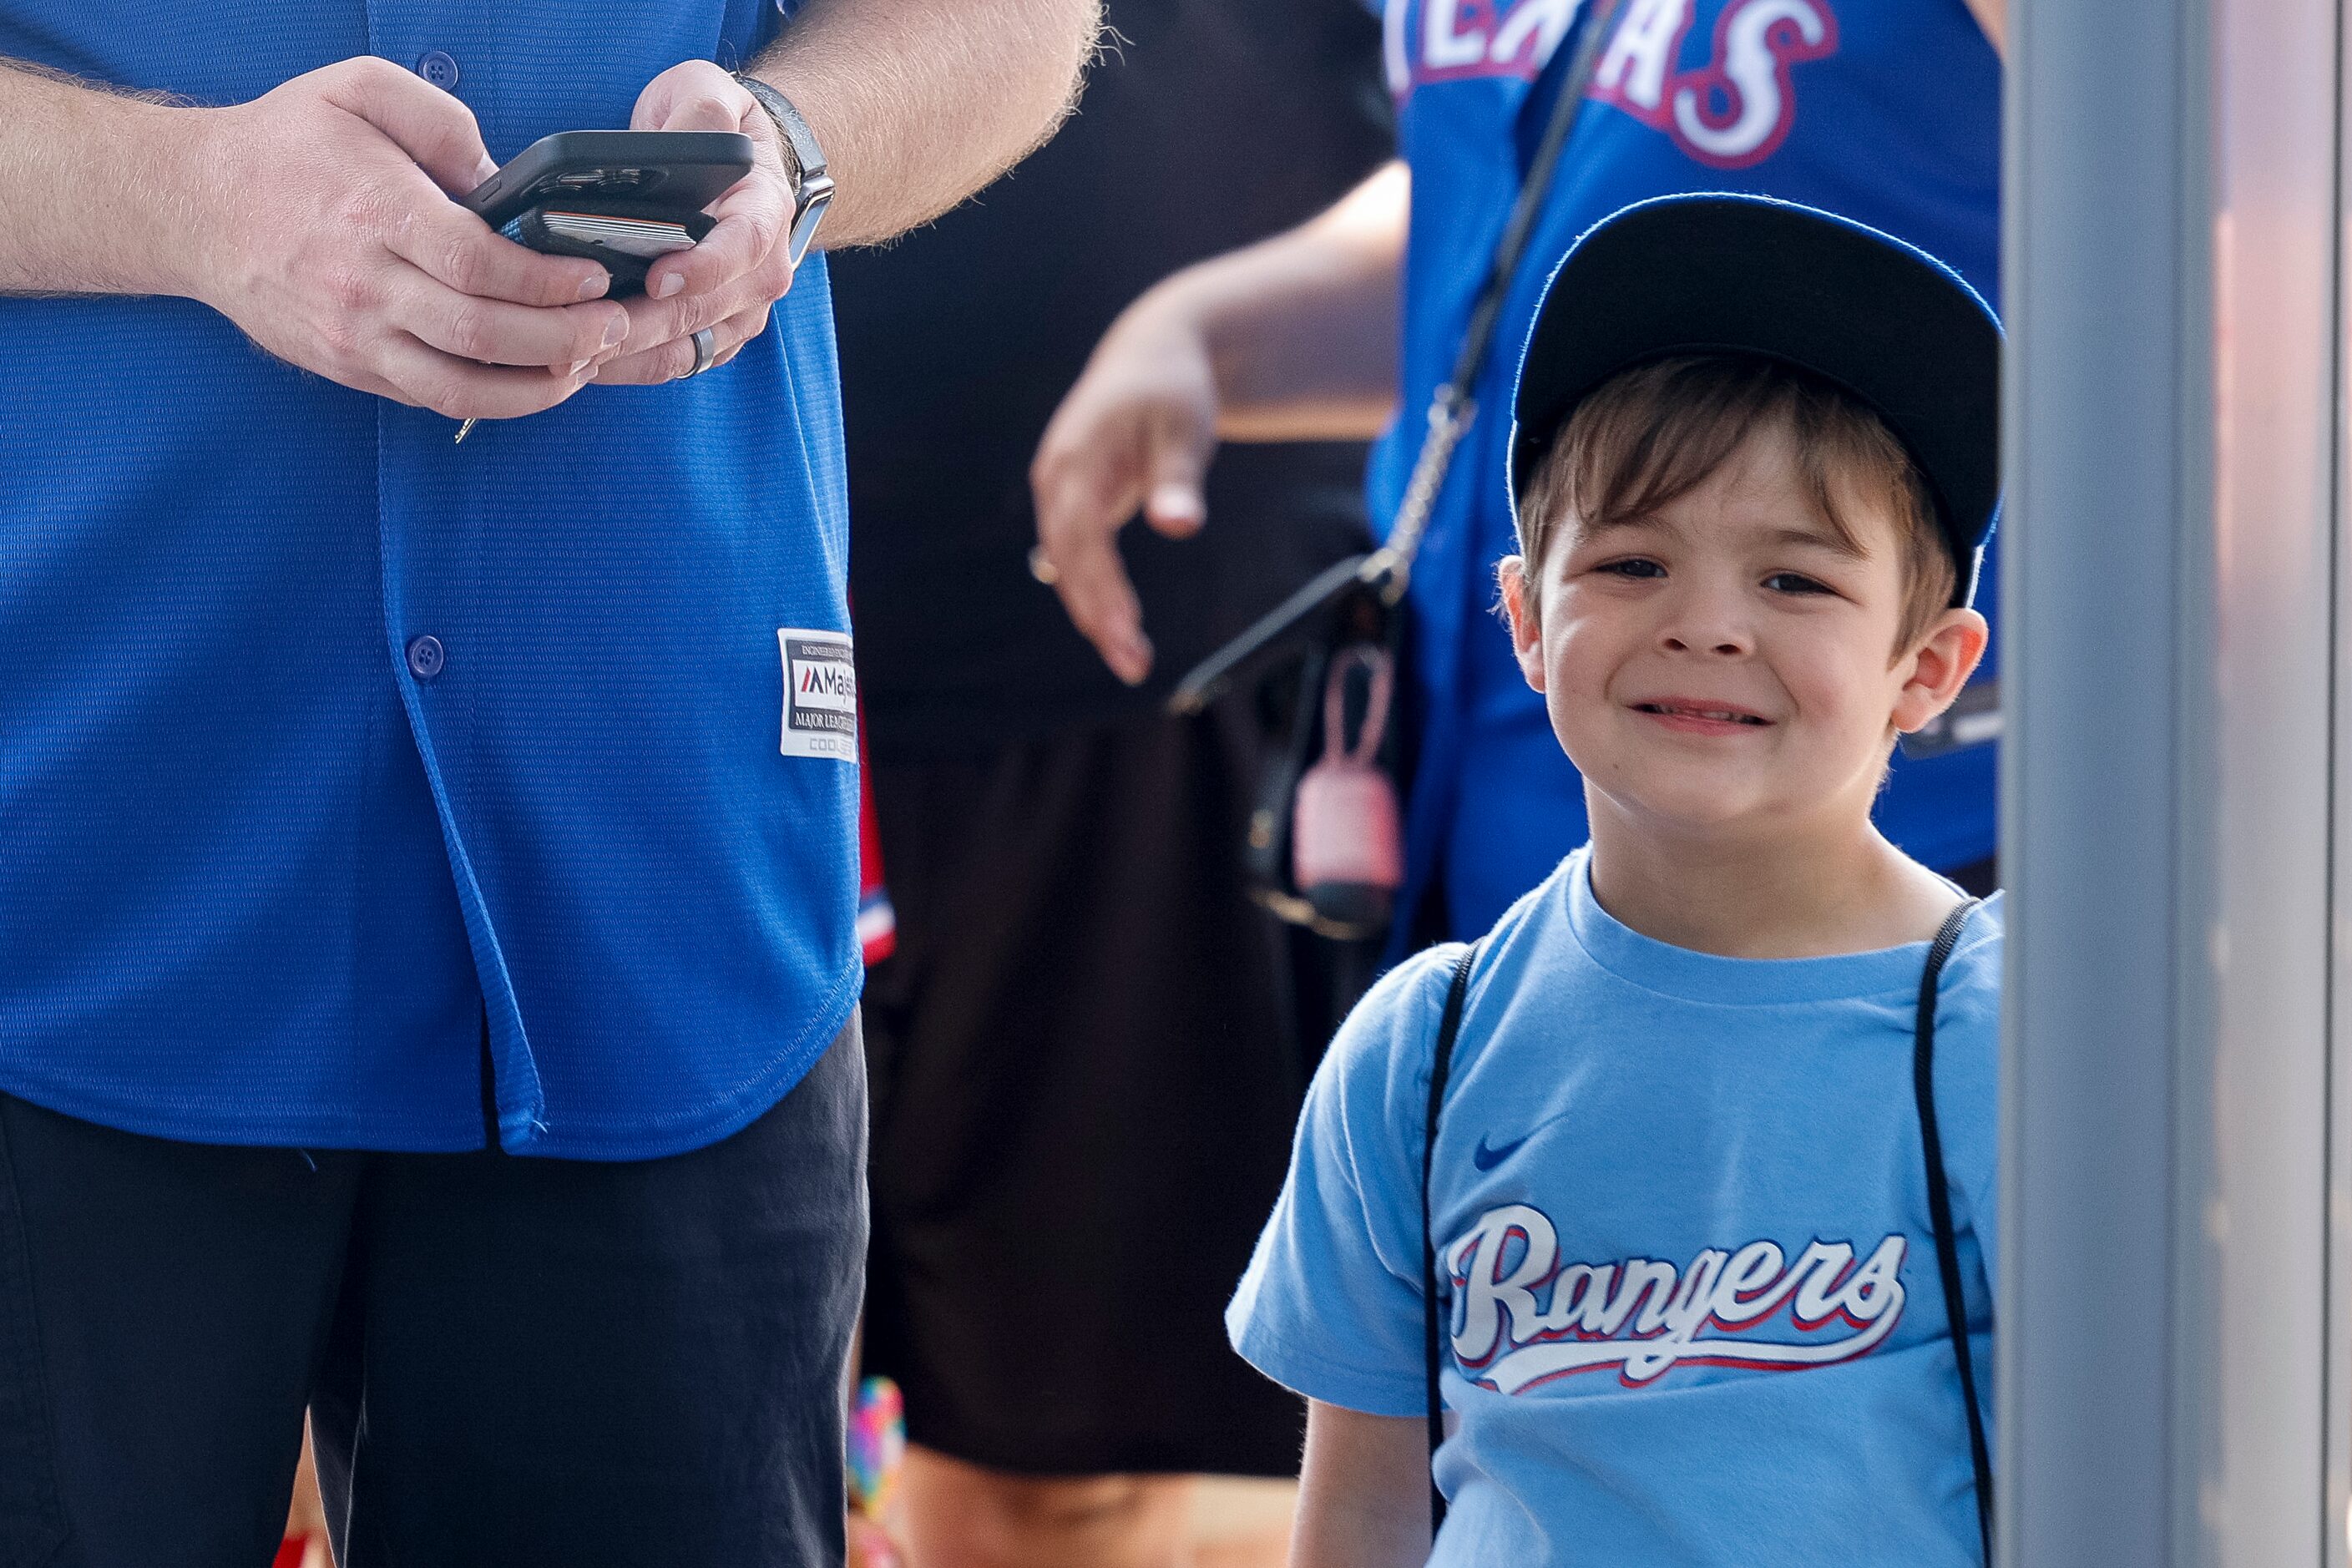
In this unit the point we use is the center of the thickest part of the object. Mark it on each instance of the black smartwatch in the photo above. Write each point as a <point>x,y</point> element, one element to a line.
<point>812,186</point>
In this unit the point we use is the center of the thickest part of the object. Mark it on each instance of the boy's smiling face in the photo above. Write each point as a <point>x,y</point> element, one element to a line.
<point>1729,661</point>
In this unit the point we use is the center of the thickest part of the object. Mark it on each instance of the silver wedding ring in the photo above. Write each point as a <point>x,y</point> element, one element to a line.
<point>704,351</point>
<point>1044,571</point>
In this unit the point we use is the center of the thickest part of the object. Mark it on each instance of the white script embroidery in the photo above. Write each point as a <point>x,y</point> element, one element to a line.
<point>1522,1318</point>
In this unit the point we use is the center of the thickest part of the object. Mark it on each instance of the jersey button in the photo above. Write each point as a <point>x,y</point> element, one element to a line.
<point>440,69</point>
<point>426,658</point>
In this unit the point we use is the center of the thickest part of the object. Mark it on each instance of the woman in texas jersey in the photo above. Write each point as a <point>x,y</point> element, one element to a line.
<point>1883,110</point>
<point>1887,111</point>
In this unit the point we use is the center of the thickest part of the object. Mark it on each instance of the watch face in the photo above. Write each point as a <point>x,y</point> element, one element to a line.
<point>805,224</point>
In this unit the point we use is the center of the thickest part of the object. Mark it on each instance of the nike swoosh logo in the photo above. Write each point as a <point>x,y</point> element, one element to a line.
<point>1487,1159</point>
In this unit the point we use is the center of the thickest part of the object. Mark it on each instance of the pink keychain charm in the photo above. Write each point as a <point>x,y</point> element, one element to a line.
<point>1347,846</point>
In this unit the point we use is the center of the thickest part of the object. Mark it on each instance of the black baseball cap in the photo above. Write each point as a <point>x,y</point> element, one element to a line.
<point>1719,273</point>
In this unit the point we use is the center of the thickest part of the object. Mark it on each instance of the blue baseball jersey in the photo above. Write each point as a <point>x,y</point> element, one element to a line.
<point>1681,1204</point>
<point>330,749</point>
<point>1883,110</point>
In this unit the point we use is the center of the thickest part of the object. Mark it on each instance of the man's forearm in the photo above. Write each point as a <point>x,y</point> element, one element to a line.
<point>919,103</point>
<point>1302,328</point>
<point>86,189</point>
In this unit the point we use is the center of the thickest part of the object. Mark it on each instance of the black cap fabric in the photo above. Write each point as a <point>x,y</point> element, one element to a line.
<point>1716,273</point>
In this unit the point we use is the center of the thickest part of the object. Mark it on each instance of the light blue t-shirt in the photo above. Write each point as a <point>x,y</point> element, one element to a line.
<point>1695,1315</point>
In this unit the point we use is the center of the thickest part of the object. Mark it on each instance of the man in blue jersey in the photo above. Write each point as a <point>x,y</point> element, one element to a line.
<point>1884,111</point>
<point>375,809</point>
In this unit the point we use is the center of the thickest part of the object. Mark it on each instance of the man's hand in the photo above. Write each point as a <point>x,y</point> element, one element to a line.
<point>1136,432</point>
<point>325,230</point>
<point>743,264</point>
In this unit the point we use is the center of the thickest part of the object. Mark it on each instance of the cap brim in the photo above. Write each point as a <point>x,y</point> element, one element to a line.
<point>1723,273</point>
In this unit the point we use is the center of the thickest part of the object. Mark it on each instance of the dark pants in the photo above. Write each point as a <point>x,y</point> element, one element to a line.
<point>1086,1083</point>
<point>508,1360</point>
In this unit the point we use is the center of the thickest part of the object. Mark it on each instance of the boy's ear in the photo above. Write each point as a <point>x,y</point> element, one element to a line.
<point>1519,603</point>
<point>1946,656</point>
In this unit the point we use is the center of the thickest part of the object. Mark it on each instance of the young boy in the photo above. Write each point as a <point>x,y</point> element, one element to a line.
<point>1692,1303</point>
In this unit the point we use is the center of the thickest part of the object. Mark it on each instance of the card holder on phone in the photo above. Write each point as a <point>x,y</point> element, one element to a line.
<point>625,238</point>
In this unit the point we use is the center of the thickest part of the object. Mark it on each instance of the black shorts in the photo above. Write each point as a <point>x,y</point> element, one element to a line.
<point>508,1360</point>
<point>1085,1080</point>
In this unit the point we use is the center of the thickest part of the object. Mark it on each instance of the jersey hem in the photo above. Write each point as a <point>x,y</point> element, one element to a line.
<point>462,1135</point>
<point>724,1118</point>
<point>1303,1373</point>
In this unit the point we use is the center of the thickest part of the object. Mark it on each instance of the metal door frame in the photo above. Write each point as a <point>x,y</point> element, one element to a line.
<point>2172,1356</point>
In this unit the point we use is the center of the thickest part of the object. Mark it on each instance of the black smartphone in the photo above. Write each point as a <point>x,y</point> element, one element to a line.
<point>621,198</point>
<point>674,171</point>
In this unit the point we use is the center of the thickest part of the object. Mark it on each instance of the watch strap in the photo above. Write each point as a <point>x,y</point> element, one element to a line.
<point>808,158</point>
<point>812,186</point>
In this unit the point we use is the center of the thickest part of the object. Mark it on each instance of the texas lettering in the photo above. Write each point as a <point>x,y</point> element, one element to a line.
<point>1738,107</point>
<point>1731,108</point>
<point>1523,1317</point>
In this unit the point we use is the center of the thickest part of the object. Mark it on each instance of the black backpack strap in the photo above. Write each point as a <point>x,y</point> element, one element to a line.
<point>1432,1316</point>
<point>1452,406</point>
<point>1939,1206</point>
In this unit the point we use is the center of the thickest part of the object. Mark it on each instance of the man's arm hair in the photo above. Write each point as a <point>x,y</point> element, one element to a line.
<point>82,210</point>
<point>919,103</point>
<point>317,217</point>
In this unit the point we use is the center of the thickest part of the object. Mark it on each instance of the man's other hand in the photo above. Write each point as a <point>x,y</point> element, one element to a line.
<point>742,266</point>
<point>325,230</point>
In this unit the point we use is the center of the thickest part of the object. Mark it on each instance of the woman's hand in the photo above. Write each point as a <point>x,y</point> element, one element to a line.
<point>1135,434</point>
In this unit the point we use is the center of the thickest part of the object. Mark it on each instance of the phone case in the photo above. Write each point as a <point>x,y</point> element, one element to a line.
<point>677,170</point>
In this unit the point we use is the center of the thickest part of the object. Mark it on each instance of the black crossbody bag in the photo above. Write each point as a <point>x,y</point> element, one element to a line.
<point>1356,604</point>
<point>1436,1310</point>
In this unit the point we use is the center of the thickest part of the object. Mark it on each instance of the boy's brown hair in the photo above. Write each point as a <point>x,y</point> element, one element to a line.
<point>1649,436</point>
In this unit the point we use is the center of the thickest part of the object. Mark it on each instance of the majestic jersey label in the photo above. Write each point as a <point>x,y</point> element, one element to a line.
<point>820,694</point>
<point>1732,112</point>
<point>1521,1318</point>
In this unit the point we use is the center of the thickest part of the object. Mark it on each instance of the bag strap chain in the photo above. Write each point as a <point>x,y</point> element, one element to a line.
<point>1385,573</point>
<point>1451,408</point>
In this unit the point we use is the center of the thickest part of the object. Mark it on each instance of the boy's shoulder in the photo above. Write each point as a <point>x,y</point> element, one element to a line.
<point>1984,927</point>
<point>1968,997</point>
<point>1390,1035</point>
<point>1386,1045</point>
<point>1974,968</point>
